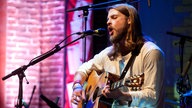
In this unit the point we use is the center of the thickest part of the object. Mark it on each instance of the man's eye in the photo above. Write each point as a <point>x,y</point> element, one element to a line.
<point>114,17</point>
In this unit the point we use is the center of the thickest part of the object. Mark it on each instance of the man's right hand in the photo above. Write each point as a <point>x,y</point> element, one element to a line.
<point>78,95</point>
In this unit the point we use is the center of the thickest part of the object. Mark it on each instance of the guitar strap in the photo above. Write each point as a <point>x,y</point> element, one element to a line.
<point>134,53</point>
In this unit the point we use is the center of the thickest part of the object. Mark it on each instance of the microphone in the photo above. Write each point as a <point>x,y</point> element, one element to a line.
<point>97,32</point>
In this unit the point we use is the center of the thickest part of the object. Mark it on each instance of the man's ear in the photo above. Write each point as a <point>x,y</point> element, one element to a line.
<point>128,21</point>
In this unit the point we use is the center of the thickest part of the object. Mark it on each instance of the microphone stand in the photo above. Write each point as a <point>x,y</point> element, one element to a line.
<point>20,70</point>
<point>34,87</point>
<point>97,5</point>
<point>183,84</point>
<point>85,14</point>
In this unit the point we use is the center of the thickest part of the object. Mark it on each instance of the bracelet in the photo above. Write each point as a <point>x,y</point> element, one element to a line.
<point>77,81</point>
<point>77,86</point>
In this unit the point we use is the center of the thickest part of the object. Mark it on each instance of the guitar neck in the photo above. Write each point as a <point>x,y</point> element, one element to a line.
<point>118,84</point>
<point>115,85</point>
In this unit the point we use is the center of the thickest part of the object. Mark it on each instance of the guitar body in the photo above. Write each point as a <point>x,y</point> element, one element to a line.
<point>92,84</point>
<point>97,81</point>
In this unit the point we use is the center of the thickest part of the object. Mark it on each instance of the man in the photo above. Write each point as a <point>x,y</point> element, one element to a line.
<point>126,36</point>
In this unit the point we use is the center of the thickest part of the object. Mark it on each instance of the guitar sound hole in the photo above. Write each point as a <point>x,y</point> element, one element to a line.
<point>95,93</point>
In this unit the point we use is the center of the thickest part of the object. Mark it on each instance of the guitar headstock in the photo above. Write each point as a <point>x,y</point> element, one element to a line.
<point>134,82</point>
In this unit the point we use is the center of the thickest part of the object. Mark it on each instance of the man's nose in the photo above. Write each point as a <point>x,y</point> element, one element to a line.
<point>108,22</point>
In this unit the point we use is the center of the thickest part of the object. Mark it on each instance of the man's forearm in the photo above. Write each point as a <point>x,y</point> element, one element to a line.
<point>80,78</point>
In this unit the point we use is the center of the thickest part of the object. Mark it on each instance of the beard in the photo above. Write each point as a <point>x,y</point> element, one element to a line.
<point>119,35</point>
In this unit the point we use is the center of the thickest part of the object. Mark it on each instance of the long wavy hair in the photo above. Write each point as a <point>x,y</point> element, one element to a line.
<point>134,35</point>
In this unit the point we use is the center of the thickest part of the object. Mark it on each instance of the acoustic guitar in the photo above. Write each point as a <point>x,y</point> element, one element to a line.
<point>96,82</point>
